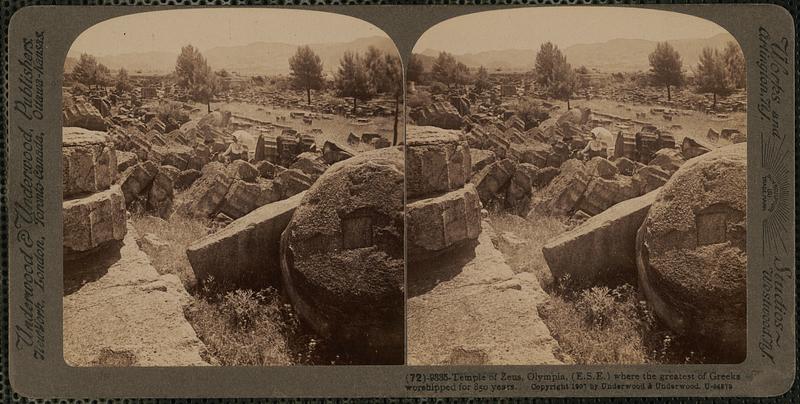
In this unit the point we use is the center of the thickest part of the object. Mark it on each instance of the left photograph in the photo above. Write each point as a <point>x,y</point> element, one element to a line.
<point>233,191</point>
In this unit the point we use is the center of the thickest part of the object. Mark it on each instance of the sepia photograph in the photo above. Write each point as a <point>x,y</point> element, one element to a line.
<point>576,189</point>
<point>233,191</point>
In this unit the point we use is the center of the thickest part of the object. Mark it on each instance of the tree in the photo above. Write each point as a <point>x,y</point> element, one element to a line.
<point>91,73</point>
<point>102,76</point>
<point>735,64</point>
<point>194,75</point>
<point>711,75</point>
<point>666,67</point>
<point>123,81</point>
<point>306,71</point>
<point>85,69</point>
<point>482,80</point>
<point>374,62</point>
<point>553,73</point>
<point>446,69</point>
<point>393,79</point>
<point>415,69</point>
<point>352,79</point>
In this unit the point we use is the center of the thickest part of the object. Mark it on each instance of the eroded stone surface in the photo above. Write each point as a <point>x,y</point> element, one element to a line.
<point>247,251</point>
<point>89,162</point>
<point>93,220</point>
<point>691,251</point>
<point>342,255</point>
<point>126,314</point>
<point>469,308</point>
<point>441,222</point>
<point>438,161</point>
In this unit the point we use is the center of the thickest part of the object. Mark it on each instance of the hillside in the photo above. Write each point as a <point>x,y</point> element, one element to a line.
<point>251,59</point>
<point>611,56</point>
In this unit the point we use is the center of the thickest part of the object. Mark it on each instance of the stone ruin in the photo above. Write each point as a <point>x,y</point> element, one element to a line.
<point>683,243</point>
<point>465,305</point>
<point>94,205</point>
<point>118,311</point>
<point>342,261</point>
<point>539,169</point>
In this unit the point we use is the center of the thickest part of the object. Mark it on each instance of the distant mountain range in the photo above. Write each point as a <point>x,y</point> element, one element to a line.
<point>616,55</point>
<point>255,58</point>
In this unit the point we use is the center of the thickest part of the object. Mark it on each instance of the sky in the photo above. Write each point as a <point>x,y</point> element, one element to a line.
<point>166,31</point>
<point>528,28</point>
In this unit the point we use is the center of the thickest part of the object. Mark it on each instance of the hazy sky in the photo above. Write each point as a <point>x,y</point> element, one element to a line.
<point>528,28</point>
<point>168,31</point>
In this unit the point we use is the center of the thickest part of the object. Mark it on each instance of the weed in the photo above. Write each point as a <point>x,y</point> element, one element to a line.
<point>534,231</point>
<point>176,234</point>
<point>242,327</point>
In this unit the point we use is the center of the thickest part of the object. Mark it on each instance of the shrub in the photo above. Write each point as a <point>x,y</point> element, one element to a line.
<point>437,87</point>
<point>172,111</point>
<point>531,112</point>
<point>420,98</point>
<point>600,325</point>
<point>243,327</point>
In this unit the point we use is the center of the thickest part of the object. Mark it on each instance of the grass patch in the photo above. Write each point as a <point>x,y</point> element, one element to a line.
<point>240,327</point>
<point>521,241</point>
<point>176,234</point>
<point>243,327</point>
<point>592,324</point>
<point>602,325</point>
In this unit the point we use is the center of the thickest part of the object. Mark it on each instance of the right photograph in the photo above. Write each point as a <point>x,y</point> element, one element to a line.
<point>576,185</point>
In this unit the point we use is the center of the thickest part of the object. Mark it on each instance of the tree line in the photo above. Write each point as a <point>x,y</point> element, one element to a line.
<point>359,77</point>
<point>717,72</point>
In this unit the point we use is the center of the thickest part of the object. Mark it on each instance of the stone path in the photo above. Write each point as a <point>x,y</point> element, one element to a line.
<point>127,314</point>
<point>470,308</point>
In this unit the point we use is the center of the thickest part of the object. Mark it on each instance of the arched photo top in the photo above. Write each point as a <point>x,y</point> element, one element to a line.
<point>566,115</point>
<point>247,41</point>
<point>213,128</point>
<point>613,39</point>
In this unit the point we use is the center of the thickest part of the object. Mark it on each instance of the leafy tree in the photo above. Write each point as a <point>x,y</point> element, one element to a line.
<point>735,64</point>
<point>553,73</point>
<point>711,75</point>
<point>85,69</point>
<point>352,79</point>
<point>306,71</point>
<point>446,69</point>
<point>102,76</point>
<point>194,74</point>
<point>89,72</point>
<point>123,81</point>
<point>374,62</point>
<point>415,69</point>
<point>666,67</point>
<point>482,80</point>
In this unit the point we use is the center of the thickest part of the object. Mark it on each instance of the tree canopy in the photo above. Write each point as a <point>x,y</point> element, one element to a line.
<point>553,73</point>
<point>482,80</point>
<point>352,79</point>
<point>446,69</point>
<point>89,72</point>
<point>735,64</point>
<point>711,75</point>
<point>195,75</point>
<point>666,67</point>
<point>306,71</point>
<point>123,81</point>
<point>415,69</point>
